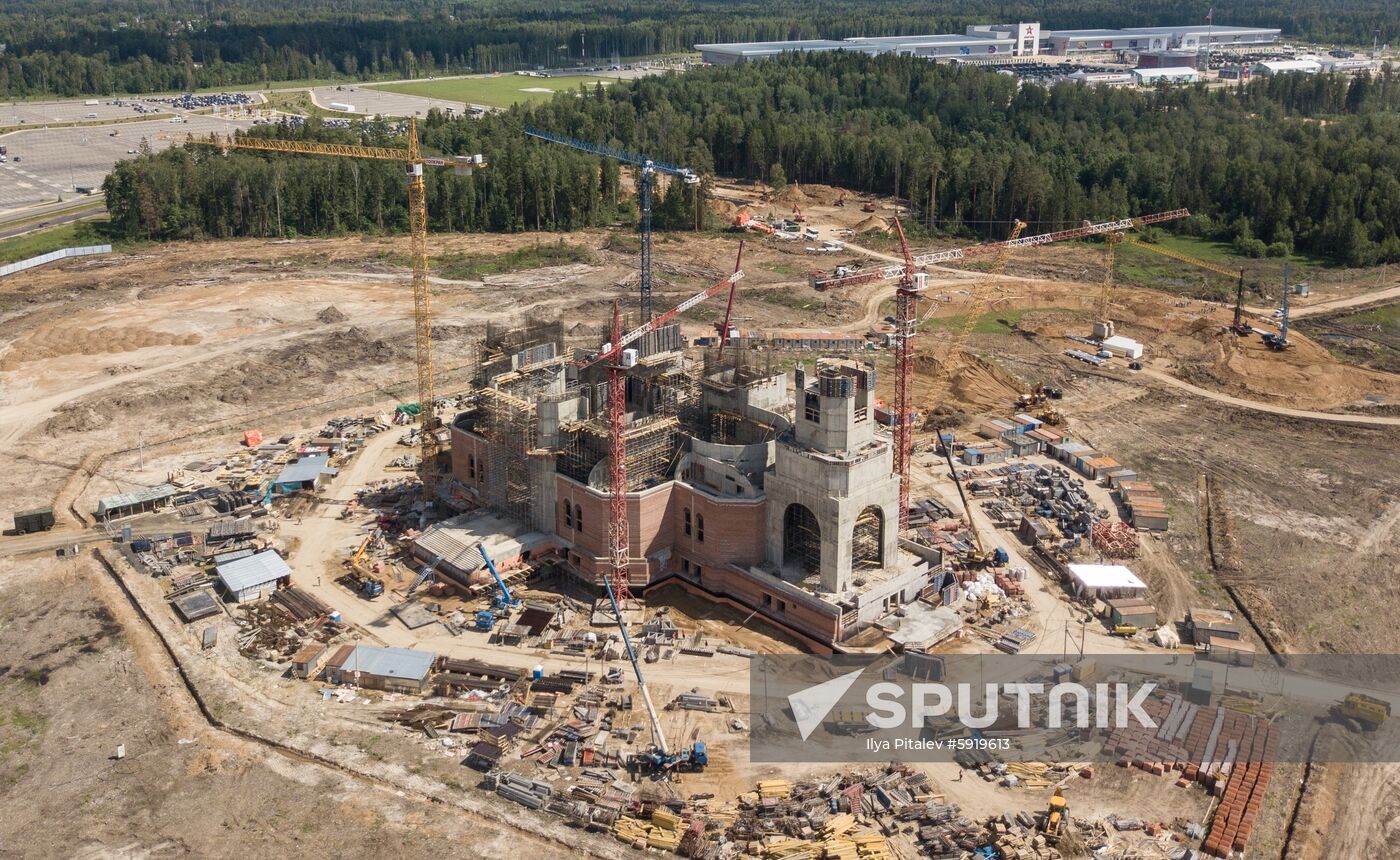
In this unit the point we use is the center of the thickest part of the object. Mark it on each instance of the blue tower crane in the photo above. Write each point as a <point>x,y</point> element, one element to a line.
<point>649,168</point>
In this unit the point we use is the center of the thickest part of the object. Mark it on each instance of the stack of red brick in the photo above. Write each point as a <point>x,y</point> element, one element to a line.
<point>1228,752</point>
<point>1008,585</point>
<point>1238,811</point>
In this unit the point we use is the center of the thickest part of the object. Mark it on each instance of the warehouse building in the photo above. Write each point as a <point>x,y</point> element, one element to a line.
<point>992,42</point>
<point>393,670</point>
<point>1105,581</point>
<point>253,577</point>
<point>1285,67</point>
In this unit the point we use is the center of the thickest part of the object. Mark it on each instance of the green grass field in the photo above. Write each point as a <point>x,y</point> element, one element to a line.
<point>71,235</point>
<point>494,90</point>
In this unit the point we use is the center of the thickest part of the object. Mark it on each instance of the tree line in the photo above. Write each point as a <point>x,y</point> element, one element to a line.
<point>1296,162</point>
<point>72,47</point>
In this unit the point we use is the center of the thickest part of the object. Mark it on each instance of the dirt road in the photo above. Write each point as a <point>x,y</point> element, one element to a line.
<point>1371,420</point>
<point>1294,313</point>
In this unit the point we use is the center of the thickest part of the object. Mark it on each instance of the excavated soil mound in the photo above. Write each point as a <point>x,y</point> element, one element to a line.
<point>824,195</point>
<point>331,314</point>
<point>976,385</point>
<point>791,194</point>
<point>60,339</point>
<point>724,210</point>
<point>872,224</point>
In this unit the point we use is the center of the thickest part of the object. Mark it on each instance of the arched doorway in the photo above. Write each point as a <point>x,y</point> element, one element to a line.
<point>802,538</point>
<point>868,540</point>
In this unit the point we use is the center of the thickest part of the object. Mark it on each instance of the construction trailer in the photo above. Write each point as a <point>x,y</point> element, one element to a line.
<point>36,520</point>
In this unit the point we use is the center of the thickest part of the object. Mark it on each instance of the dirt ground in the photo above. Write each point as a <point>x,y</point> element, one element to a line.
<point>166,354</point>
<point>182,789</point>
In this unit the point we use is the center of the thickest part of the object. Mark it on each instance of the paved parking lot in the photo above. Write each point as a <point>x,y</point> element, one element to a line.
<point>369,101</point>
<point>53,161</point>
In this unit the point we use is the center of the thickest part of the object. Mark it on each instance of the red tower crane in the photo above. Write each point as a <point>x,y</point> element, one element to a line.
<point>905,319</point>
<point>619,534</point>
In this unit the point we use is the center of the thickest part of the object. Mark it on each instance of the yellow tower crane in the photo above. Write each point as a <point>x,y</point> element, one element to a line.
<point>1103,328</point>
<point>942,382</point>
<point>980,301</point>
<point>413,160</point>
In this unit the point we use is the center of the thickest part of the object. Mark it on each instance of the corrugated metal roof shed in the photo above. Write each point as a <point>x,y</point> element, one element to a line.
<point>390,662</point>
<point>303,470</point>
<point>253,571</point>
<point>135,497</point>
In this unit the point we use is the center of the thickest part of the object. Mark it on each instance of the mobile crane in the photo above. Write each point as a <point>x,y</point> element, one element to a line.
<point>501,602</point>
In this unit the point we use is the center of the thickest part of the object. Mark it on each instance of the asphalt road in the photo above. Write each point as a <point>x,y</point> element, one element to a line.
<point>63,217</point>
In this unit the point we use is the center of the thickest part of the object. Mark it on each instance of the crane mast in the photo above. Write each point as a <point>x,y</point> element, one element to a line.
<point>906,313</point>
<point>413,160</point>
<point>648,168</point>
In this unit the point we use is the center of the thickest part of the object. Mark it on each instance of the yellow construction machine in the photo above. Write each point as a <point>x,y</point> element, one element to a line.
<point>1361,712</point>
<point>1055,817</point>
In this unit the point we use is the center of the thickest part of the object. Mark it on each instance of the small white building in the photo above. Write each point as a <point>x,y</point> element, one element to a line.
<point>1173,75</point>
<point>253,577</point>
<point>1105,581</point>
<point>1124,346</point>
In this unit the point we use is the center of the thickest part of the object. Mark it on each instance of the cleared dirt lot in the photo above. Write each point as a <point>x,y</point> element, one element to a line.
<point>167,353</point>
<point>182,789</point>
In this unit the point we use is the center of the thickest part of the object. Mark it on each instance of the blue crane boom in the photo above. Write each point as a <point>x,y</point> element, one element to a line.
<point>650,167</point>
<point>506,599</point>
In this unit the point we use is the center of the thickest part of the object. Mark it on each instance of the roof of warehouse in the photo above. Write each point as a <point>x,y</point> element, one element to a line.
<point>794,45</point>
<point>933,39</point>
<point>136,497</point>
<point>389,662</point>
<point>1209,29</point>
<point>255,570</point>
<point>305,469</point>
<point>456,540</point>
<point>1105,576</point>
<point>1104,34</point>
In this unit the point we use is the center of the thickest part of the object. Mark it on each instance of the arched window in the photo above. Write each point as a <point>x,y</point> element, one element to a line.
<point>802,538</point>
<point>700,528</point>
<point>686,513</point>
<point>578,517</point>
<point>568,514</point>
<point>868,539</point>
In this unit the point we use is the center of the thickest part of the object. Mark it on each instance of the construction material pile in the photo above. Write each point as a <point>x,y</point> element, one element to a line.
<point>1114,540</point>
<point>1228,752</point>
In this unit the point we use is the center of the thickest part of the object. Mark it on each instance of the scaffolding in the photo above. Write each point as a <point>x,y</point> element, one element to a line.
<point>510,426</point>
<point>802,539</point>
<point>652,445</point>
<point>867,548</point>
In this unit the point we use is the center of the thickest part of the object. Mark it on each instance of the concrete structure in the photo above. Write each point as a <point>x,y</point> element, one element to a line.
<point>253,577</point>
<point>393,670</point>
<point>734,491</point>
